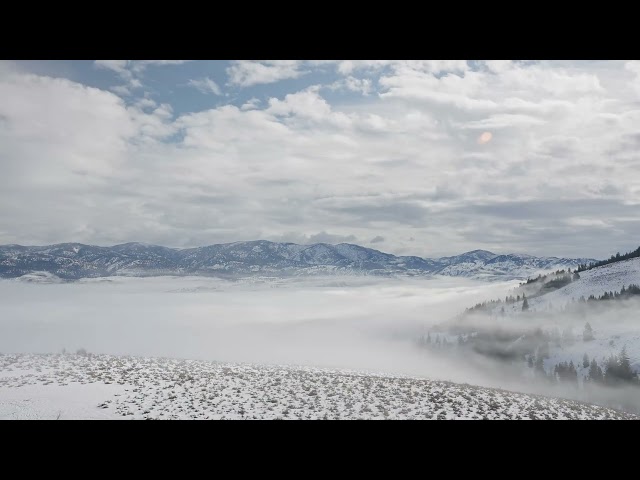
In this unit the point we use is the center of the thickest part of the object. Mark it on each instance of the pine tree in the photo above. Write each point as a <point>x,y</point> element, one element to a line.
<point>611,371</point>
<point>595,372</point>
<point>585,361</point>
<point>525,304</point>
<point>624,366</point>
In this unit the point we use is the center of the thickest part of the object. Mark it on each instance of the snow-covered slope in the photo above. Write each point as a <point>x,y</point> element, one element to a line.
<point>72,261</point>
<point>613,329</point>
<point>616,324</point>
<point>101,386</point>
<point>596,281</point>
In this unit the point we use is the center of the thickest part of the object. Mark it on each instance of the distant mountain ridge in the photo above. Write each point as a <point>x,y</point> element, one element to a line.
<point>72,261</point>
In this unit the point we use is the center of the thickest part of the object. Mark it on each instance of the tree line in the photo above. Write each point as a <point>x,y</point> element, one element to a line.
<point>614,258</point>
<point>535,349</point>
<point>615,371</point>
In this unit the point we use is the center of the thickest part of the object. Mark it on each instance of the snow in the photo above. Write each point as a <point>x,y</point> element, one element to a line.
<point>596,281</point>
<point>612,331</point>
<point>105,387</point>
<point>49,402</point>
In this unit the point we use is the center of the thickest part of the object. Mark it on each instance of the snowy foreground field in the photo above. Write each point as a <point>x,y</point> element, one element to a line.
<point>110,387</point>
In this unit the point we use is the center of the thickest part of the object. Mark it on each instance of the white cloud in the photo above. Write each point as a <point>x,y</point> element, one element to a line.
<point>140,65</point>
<point>118,66</point>
<point>77,127</point>
<point>205,85</point>
<point>251,104</point>
<point>146,103</point>
<point>245,73</point>
<point>121,90</point>
<point>503,120</point>
<point>130,70</point>
<point>360,85</point>
<point>320,237</point>
<point>634,67</point>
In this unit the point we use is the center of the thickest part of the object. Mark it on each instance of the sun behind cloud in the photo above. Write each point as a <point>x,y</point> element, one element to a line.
<point>485,137</point>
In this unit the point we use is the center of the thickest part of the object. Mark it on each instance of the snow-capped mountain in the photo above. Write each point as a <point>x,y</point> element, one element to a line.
<point>74,260</point>
<point>483,264</point>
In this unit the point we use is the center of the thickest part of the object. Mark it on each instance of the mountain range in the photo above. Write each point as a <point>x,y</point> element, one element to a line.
<point>72,261</point>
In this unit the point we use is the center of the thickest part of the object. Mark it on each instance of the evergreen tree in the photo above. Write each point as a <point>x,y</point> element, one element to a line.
<point>611,371</point>
<point>595,372</point>
<point>525,304</point>
<point>585,361</point>
<point>624,366</point>
<point>573,373</point>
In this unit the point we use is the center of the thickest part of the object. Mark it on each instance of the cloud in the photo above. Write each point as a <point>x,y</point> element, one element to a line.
<point>130,71</point>
<point>360,85</point>
<point>140,65</point>
<point>320,237</point>
<point>348,67</point>
<point>146,103</point>
<point>324,237</point>
<point>377,239</point>
<point>205,85</point>
<point>125,67</point>
<point>121,90</point>
<point>118,66</point>
<point>245,73</point>
<point>296,161</point>
<point>251,104</point>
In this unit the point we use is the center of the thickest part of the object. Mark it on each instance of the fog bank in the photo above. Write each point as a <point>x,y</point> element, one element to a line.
<point>350,322</point>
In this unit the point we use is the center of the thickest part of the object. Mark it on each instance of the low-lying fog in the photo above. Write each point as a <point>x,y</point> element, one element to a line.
<point>363,323</point>
<point>353,322</point>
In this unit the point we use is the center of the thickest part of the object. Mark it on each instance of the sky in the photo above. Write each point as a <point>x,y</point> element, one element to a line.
<point>426,158</point>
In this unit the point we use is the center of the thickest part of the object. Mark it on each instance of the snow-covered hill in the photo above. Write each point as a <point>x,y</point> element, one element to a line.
<point>73,261</point>
<point>615,323</point>
<point>103,387</point>
<point>596,281</point>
